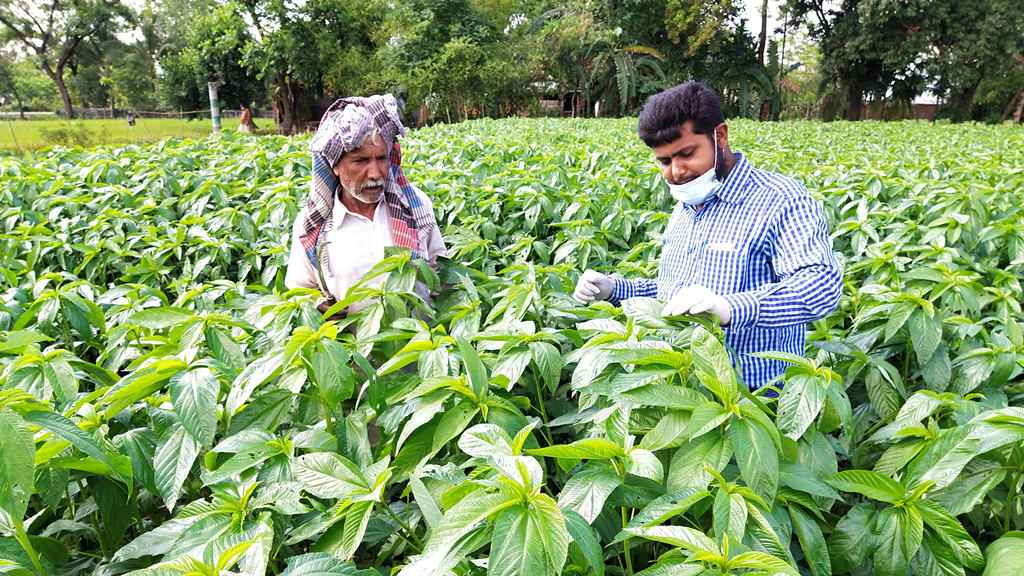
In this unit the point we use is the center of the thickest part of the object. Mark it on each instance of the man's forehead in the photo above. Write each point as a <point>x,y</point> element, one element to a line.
<point>369,148</point>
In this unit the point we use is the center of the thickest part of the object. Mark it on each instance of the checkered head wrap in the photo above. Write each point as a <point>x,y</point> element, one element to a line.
<point>342,129</point>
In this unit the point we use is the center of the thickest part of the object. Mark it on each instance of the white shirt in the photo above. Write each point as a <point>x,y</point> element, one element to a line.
<point>356,245</point>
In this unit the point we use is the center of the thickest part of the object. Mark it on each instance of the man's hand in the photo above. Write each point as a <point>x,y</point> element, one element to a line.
<point>693,300</point>
<point>325,305</point>
<point>593,285</point>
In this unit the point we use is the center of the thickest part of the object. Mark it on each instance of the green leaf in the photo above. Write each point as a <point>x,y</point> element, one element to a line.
<point>548,362</point>
<point>853,540</point>
<point>529,541</point>
<point>334,378</point>
<point>666,507</point>
<point>899,535</point>
<point>756,456</point>
<point>706,418</point>
<point>163,317</point>
<point>761,561</point>
<point>117,507</point>
<point>323,565</point>
<point>194,396</point>
<point>173,462</point>
<point>870,484</point>
<point>671,431</point>
<point>710,356</point>
<point>453,422</point>
<point>945,458</point>
<point>681,536</point>
<point>730,515</point>
<point>950,531</point>
<point>969,489</point>
<point>1005,556</point>
<point>456,524</point>
<point>688,467</point>
<point>68,431</point>
<point>474,367</point>
<point>926,334</point>
<point>802,399</point>
<point>327,475</point>
<point>17,477</point>
<point>596,448</point>
<point>586,492</point>
<point>801,479</point>
<point>355,527</point>
<point>812,542</point>
<point>583,535</point>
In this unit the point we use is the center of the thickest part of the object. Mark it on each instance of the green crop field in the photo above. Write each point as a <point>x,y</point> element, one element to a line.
<point>168,408</point>
<point>18,135</point>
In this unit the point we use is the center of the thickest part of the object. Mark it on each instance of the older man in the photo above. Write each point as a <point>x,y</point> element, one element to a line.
<point>359,202</point>
<point>746,245</point>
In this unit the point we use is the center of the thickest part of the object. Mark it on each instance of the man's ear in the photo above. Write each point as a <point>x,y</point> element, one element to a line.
<point>723,135</point>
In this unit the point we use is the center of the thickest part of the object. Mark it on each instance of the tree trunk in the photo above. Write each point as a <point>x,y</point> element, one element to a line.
<point>1009,106</point>
<point>1020,109</point>
<point>763,38</point>
<point>853,102</point>
<point>58,78</point>
<point>964,100</point>
<point>284,98</point>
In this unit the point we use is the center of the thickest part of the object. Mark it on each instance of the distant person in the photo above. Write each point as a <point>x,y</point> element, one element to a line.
<point>130,117</point>
<point>245,123</point>
<point>749,246</point>
<point>359,202</point>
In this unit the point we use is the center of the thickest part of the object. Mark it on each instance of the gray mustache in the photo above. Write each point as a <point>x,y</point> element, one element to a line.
<point>371,184</point>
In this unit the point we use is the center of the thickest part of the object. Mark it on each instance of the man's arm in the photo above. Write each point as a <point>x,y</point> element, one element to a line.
<point>300,273</point>
<point>624,289</point>
<point>810,282</point>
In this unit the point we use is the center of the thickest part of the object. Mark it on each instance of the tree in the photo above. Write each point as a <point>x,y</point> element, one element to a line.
<point>55,30</point>
<point>969,42</point>
<point>214,53</point>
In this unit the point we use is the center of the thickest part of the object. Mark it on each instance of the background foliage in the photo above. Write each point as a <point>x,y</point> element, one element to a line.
<point>496,58</point>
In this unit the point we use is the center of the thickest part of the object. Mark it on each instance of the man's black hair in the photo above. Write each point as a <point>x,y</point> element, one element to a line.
<point>666,112</point>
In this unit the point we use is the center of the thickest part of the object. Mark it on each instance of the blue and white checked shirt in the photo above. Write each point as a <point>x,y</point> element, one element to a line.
<point>762,242</point>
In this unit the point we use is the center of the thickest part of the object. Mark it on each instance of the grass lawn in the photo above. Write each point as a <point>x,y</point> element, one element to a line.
<point>36,134</point>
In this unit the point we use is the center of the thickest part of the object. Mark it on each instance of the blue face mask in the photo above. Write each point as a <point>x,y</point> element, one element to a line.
<point>697,191</point>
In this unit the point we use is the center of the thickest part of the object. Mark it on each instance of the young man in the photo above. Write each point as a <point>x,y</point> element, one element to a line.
<point>359,202</point>
<point>749,246</point>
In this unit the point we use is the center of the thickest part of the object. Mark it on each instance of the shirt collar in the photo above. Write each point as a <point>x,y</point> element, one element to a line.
<point>341,211</point>
<point>732,190</point>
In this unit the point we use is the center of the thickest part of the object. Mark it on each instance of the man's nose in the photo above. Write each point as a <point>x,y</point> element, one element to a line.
<point>679,171</point>
<point>377,170</point>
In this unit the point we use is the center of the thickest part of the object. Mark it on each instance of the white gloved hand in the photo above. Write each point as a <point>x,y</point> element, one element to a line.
<point>593,285</point>
<point>693,300</point>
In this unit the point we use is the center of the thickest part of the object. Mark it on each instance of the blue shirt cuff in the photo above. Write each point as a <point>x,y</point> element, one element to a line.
<point>745,310</point>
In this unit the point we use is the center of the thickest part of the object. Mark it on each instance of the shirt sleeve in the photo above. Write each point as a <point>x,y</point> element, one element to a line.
<point>300,273</point>
<point>810,283</point>
<point>625,289</point>
<point>435,242</point>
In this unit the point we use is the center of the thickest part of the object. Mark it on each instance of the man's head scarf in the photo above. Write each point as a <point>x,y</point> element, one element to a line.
<point>342,129</point>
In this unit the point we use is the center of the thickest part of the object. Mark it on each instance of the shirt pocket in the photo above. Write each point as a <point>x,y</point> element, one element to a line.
<point>722,268</point>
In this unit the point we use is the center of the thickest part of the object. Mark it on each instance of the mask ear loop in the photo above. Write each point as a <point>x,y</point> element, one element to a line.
<point>715,168</point>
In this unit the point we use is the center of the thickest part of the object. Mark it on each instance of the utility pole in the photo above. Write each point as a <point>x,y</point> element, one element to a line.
<point>214,106</point>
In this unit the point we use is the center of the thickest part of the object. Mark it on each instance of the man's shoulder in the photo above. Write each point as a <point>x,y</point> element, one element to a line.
<point>779,185</point>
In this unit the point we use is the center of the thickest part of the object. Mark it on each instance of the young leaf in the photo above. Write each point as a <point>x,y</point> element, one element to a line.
<point>194,396</point>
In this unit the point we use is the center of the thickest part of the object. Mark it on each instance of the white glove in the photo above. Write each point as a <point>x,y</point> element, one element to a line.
<point>593,285</point>
<point>695,299</point>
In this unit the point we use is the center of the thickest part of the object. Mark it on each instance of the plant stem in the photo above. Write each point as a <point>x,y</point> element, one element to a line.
<point>19,529</point>
<point>1009,501</point>
<point>417,544</point>
<point>540,404</point>
<point>625,546</point>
